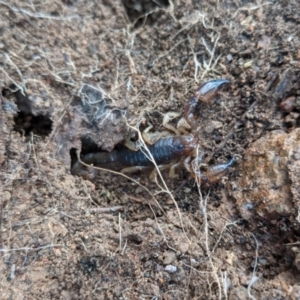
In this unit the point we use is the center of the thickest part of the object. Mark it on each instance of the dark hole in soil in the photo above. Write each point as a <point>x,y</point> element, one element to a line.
<point>87,146</point>
<point>25,120</point>
<point>73,156</point>
<point>26,123</point>
<point>88,265</point>
<point>137,10</point>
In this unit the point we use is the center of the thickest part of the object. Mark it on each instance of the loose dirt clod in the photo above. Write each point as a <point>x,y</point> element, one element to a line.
<point>267,183</point>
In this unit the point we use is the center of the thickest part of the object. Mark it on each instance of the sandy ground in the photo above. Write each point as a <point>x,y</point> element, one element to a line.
<point>86,75</point>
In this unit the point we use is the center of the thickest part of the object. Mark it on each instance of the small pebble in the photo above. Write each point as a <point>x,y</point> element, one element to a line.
<point>288,104</point>
<point>171,269</point>
<point>149,222</point>
<point>183,247</point>
<point>229,57</point>
<point>169,257</point>
<point>217,124</point>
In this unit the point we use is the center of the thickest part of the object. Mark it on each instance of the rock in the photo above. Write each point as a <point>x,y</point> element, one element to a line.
<point>269,185</point>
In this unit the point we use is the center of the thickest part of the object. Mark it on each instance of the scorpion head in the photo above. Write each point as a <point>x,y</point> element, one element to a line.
<point>185,145</point>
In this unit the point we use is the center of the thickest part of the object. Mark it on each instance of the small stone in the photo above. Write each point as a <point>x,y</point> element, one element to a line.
<point>171,269</point>
<point>229,57</point>
<point>209,129</point>
<point>217,124</point>
<point>139,190</point>
<point>230,258</point>
<point>288,104</point>
<point>238,293</point>
<point>160,281</point>
<point>194,263</point>
<point>295,293</point>
<point>169,257</point>
<point>149,222</point>
<point>243,280</point>
<point>183,247</point>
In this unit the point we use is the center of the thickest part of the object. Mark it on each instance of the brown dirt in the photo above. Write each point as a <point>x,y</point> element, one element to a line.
<point>74,75</point>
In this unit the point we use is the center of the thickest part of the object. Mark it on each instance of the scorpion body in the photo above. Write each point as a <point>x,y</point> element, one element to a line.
<point>166,149</point>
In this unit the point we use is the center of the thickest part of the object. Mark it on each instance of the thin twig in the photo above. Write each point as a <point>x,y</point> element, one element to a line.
<point>254,278</point>
<point>112,209</point>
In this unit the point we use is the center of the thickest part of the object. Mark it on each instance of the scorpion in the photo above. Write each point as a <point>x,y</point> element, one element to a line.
<point>166,149</point>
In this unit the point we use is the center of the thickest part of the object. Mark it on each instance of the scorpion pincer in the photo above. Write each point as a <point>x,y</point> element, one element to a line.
<point>206,93</point>
<point>167,149</point>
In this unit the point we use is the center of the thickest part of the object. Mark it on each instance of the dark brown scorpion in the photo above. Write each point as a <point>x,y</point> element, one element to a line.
<point>166,149</point>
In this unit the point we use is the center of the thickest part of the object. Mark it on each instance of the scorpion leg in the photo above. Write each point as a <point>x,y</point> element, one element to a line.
<point>183,126</point>
<point>172,173</point>
<point>171,166</point>
<point>131,145</point>
<point>167,118</point>
<point>205,93</point>
<point>133,169</point>
<point>149,138</point>
<point>153,174</point>
<point>152,137</point>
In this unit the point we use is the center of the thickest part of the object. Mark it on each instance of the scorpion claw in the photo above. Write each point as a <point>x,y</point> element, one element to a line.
<point>216,172</point>
<point>205,93</point>
<point>213,173</point>
<point>210,89</point>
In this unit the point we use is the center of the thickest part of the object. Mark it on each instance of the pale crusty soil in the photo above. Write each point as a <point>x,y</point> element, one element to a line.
<point>74,75</point>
